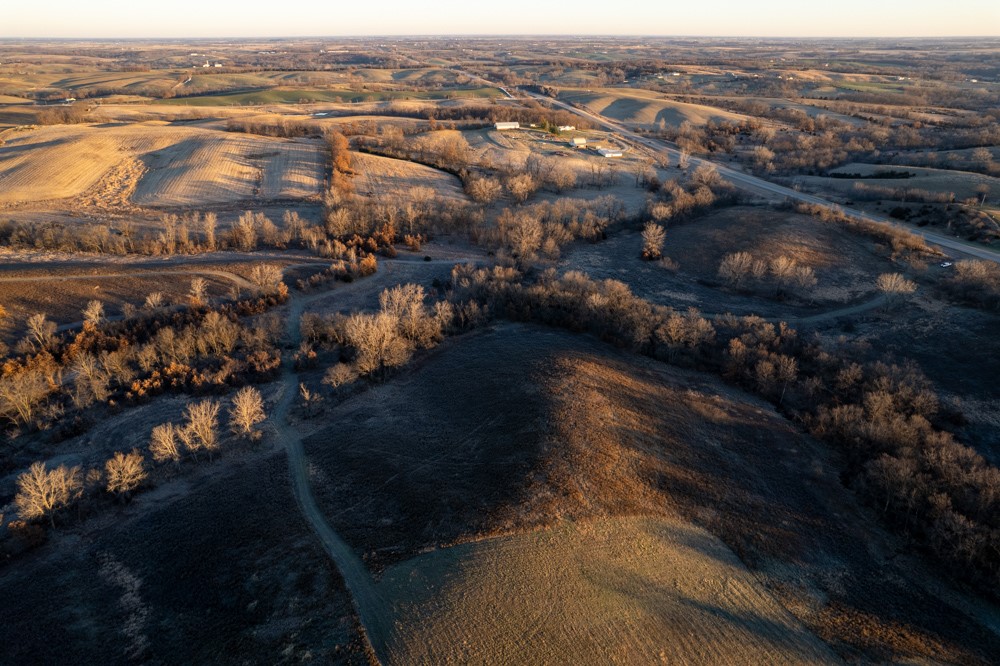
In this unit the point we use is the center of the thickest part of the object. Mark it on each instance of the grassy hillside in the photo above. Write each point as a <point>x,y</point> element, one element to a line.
<point>642,107</point>
<point>493,485</point>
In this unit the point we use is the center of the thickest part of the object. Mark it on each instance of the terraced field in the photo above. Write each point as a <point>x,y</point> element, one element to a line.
<point>298,95</point>
<point>642,107</point>
<point>178,166</point>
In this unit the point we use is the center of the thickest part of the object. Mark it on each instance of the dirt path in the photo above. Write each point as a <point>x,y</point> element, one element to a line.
<point>232,277</point>
<point>374,611</point>
<point>871,304</point>
<point>368,604</point>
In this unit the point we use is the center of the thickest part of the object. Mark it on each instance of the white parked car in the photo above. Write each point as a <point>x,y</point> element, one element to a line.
<point>945,264</point>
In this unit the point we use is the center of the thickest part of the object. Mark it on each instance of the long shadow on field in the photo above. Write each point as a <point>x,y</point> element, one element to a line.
<point>228,574</point>
<point>520,427</point>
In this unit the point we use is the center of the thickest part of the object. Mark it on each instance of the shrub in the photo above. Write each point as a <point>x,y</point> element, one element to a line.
<point>339,375</point>
<point>125,472</point>
<point>653,237</point>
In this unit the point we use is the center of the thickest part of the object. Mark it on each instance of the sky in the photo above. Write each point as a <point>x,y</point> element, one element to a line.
<point>289,18</point>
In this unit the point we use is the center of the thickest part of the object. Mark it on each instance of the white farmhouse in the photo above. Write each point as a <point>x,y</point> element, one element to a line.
<point>578,142</point>
<point>566,128</point>
<point>508,126</point>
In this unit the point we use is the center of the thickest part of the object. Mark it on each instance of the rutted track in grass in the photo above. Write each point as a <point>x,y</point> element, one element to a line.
<point>374,611</point>
<point>369,606</point>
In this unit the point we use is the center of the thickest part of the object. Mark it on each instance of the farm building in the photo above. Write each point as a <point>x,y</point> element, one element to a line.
<point>609,152</point>
<point>567,128</point>
<point>578,142</point>
<point>508,126</point>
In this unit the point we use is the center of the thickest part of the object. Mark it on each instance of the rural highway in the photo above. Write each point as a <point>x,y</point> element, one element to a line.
<point>761,187</point>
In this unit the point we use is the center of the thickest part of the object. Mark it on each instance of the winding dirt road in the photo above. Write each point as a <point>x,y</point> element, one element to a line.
<point>372,609</point>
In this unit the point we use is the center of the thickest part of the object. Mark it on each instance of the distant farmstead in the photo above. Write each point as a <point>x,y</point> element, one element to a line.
<point>609,152</point>
<point>567,128</point>
<point>508,126</point>
<point>578,142</point>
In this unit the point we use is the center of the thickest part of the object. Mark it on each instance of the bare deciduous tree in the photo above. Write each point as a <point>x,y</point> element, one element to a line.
<point>163,443</point>
<point>521,187</point>
<point>267,277</point>
<point>653,237</point>
<point>561,176</point>
<point>376,341</point>
<point>93,314</point>
<point>484,190</point>
<point>406,304</point>
<point>42,492</point>
<point>209,223</point>
<point>41,331</point>
<point>340,151</point>
<point>125,472</point>
<point>203,423</point>
<point>247,411</point>
<point>21,393</point>
<point>895,284</point>
<point>199,287</point>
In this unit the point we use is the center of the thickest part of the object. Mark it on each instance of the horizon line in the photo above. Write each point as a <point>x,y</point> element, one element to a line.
<point>493,36</point>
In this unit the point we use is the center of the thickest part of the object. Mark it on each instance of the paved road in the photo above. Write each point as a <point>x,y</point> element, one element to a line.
<point>759,186</point>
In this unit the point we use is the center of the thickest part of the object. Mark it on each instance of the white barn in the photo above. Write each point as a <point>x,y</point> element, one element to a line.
<point>578,142</point>
<point>508,126</point>
<point>610,152</point>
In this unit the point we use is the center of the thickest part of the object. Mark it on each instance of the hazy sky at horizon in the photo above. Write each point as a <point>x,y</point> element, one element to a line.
<point>191,18</point>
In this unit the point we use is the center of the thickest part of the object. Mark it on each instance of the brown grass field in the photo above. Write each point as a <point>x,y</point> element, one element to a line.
<point>962,183</point>
<point>526,489</point>
<point>846,266</point>
<point>171,166</point>
<point>378,176</point>
<point>641,107</point>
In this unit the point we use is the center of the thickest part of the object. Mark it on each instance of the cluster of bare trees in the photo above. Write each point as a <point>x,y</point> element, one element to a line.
<point>371,343</point>
<point>742,270</point>
<point>146,353</point>
<point>522,233</point>
<point>68,114</point>
<point>191,233</point>
<point>44,491</point>
<point>674,201</point>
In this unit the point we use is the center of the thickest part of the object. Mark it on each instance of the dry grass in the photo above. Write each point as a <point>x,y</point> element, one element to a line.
<point>962,183</point>
<point>180,166</point>
<point>622,591</point>
<point>845,265</point>
<point>384,177</point>
<point>645,108</point>
<point>530,483</point>
<point>63,300</point>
